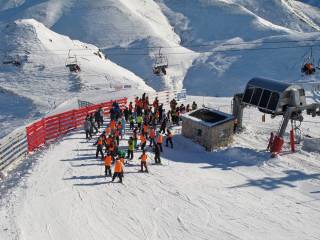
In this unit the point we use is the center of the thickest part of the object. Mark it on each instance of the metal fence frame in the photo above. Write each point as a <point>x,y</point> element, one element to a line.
<point>13,147</point>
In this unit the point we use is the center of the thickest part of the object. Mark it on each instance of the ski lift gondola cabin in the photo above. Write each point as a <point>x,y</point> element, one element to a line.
<point>273,97</point>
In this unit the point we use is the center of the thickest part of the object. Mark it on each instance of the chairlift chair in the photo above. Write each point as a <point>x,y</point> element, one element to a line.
<point>160,64</point>
<point>72,63</point>
<point>308,67</point>
<point>16,61</point>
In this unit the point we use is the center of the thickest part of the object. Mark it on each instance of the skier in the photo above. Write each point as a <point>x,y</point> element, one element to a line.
<point>93,124</point>
<point>101,115</point>
<point>169,138</point>
<point>145,129</point>
<point>130,148</point>
<point>109,140</point>
<point>157,154</point>
<point>107,165</point>
<point>117,136</point>
<point>112,148</point>
<point>112,125</point>
<point>97,117</point>
<point>143,142</point>
<point>155,103</point>
<point>99,144</point>
<point>87,128</point>
<point>173,104</point>
<point>144,158</point>
<point>118,171</point>
<point>163,126</point>
<point>131,121</point>
<point>108,130</point>
<point>188,108</point>
<point>135,137</point>
<point>152,136</point>
<point>160,141</point>
<point>139,121</point>
<point>123,125</point>
<point>194,106</point>
<point>126,114</point>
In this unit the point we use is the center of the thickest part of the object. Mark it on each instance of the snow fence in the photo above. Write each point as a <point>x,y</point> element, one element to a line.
<point>22,142</point>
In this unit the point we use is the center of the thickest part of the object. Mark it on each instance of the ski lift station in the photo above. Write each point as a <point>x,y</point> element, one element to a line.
<point>210,128</point>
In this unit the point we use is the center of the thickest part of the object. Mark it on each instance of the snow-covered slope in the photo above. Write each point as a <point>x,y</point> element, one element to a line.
<point>230,194</point>
<point>141,25</point>
<point>43,79</point>
<point>195,35</point>
<point>136,24</point>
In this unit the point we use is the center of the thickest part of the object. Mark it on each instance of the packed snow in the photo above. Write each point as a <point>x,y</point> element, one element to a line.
<point>234,193</point>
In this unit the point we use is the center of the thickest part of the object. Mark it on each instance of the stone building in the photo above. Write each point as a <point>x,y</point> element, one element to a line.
<point>210,128</point>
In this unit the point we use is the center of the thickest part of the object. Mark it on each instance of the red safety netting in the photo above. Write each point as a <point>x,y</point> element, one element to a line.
<point>50,128</point>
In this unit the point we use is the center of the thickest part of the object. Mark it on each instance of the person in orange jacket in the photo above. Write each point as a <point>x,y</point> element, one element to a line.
<point>113,125</point>
<point>108,130</point>
<point>144,158</point>
<point>107,164</point>
<point>109,140</point>
<point>99,144</point>
<point>143,142</point>
<point>118,171</point>
<point>145,129</point>
<point>119,128</point>
<point>160,141</point>
<point>112,148</point>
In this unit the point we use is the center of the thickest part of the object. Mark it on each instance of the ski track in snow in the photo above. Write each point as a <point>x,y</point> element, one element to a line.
<point>192,196</point>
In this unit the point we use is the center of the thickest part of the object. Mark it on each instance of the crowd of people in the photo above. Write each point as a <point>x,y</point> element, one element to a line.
<point>145,124</point>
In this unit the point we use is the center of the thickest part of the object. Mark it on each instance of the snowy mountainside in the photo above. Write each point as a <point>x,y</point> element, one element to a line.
<point>138,27</point>
<point>43,78</point>
<point>129,24</point>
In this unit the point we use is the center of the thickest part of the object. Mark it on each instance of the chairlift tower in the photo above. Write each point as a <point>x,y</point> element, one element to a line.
<point>277,99</point>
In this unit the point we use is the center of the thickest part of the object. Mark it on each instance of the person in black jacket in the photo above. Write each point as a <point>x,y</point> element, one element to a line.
<point>93,124</point>
<point>157,158</point>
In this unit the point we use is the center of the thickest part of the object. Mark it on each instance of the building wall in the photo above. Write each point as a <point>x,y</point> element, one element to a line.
<point>211,138</point>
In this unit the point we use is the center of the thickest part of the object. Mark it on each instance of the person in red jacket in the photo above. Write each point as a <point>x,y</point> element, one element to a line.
<point>152,136</point>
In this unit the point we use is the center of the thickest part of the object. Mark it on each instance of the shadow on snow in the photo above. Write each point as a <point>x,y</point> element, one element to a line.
<point>269,183</point>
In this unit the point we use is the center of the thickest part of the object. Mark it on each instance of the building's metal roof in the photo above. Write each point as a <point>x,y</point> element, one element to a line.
<point>269,84</point>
